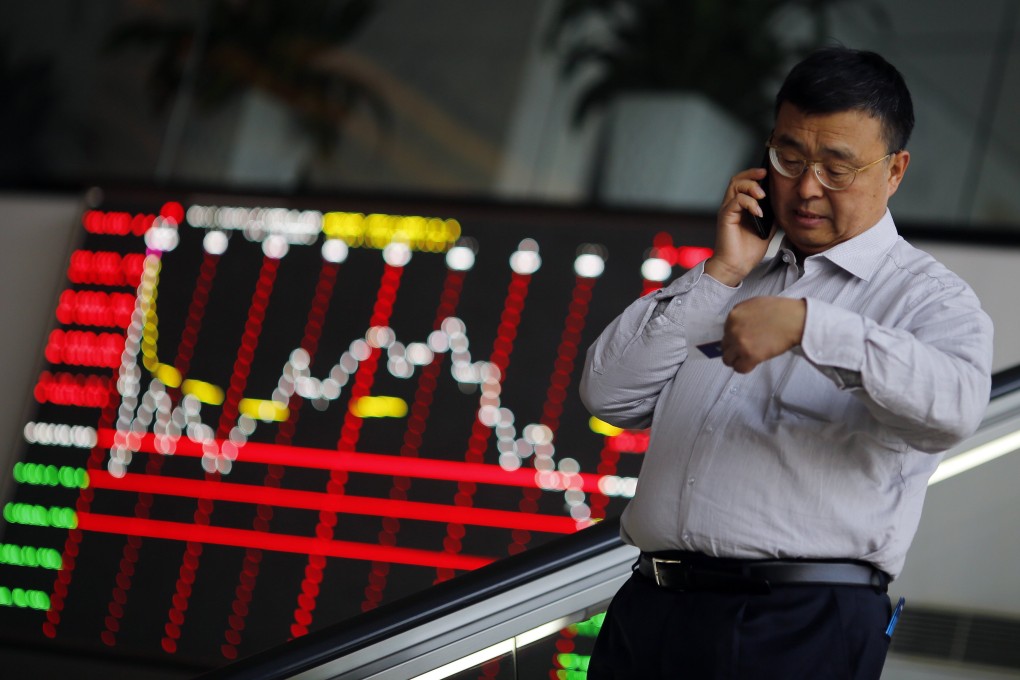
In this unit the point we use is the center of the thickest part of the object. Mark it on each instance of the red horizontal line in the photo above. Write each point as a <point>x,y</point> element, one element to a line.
<point>248,538</point>
<point>369,463</point>
<point>312,500</point>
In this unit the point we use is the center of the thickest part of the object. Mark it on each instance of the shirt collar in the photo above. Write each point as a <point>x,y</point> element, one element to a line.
<point>861,255</point>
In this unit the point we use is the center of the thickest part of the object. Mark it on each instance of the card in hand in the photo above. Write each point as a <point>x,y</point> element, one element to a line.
<point>712,350</point>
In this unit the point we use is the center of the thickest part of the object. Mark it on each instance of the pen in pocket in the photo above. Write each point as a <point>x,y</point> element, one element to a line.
<point>894,619</point>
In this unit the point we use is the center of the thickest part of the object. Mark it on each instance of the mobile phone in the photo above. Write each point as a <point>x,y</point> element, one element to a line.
<point>763,224</point>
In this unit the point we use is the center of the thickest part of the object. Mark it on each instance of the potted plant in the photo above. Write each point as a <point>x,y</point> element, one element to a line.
<point>275,51</point>
<point>723,58</point>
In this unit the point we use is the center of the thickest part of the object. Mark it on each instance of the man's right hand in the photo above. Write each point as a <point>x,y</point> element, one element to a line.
<point>738,249</point>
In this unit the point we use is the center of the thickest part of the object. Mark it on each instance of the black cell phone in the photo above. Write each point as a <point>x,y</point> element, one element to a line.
<point>763,225</point>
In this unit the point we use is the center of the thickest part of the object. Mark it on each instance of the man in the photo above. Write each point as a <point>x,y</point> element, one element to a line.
<point>784,481</point>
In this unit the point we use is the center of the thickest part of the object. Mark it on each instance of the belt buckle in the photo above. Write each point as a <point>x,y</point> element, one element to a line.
<point>656,561</point>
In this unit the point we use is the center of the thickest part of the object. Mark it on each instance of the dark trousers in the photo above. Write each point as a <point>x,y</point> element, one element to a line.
<point>811,632</point>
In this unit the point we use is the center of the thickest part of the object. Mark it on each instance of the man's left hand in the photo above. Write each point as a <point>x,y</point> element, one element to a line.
<point>761,328</point>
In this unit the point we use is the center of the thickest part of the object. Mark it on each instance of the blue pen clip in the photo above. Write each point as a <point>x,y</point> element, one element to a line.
<point>895,618</point>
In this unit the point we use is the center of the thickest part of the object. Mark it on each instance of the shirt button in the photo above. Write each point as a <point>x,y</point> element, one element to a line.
<point>690,481</point>
<point>733,390</point>
<point>710,429</point>
<point>686,536</point>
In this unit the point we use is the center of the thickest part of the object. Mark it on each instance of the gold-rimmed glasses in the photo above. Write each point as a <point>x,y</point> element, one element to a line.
<point>835,176</point>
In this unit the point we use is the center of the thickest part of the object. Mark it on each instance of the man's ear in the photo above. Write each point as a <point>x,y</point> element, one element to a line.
<point>897,168</point>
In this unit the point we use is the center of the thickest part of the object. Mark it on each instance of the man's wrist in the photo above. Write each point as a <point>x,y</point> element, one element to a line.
<point>724,273</point>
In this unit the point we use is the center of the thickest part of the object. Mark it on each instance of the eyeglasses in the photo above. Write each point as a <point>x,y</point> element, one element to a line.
<point>835,176</point>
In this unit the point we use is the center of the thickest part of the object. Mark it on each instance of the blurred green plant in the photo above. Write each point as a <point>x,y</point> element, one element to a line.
<point>726,50</point>
<point>278,47</point>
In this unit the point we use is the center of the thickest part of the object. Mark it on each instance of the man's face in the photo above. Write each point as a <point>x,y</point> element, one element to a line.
<point>816,218</point>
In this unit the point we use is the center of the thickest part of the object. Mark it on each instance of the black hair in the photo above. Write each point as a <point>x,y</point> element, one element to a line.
<point>835,79</point>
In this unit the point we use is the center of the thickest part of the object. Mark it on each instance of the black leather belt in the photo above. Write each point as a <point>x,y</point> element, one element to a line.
<point>696,572</point>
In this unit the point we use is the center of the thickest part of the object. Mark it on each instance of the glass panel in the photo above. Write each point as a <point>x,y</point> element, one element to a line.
<point>456,97</point>
<point>500,668</point>
<point>563,656</point>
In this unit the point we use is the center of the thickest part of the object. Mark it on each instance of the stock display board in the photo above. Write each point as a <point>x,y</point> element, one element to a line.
<point>255,421</point>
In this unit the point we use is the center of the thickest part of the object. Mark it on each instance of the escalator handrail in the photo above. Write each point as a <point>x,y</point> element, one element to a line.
<point>1005,381</point>
<point>346,637</point>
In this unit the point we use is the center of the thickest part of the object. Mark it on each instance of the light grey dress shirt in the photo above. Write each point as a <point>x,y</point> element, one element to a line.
<point>822,452</point>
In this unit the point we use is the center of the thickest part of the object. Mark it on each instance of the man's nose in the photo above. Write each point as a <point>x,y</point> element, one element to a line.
<point>808,184</point>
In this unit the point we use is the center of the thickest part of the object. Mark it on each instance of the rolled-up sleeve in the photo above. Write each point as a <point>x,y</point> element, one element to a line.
<point>628,365</point>
<point>927,379</point>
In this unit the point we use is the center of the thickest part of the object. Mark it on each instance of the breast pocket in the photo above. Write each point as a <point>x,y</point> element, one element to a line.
<point>804,391</point>
<point>808,401</point>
